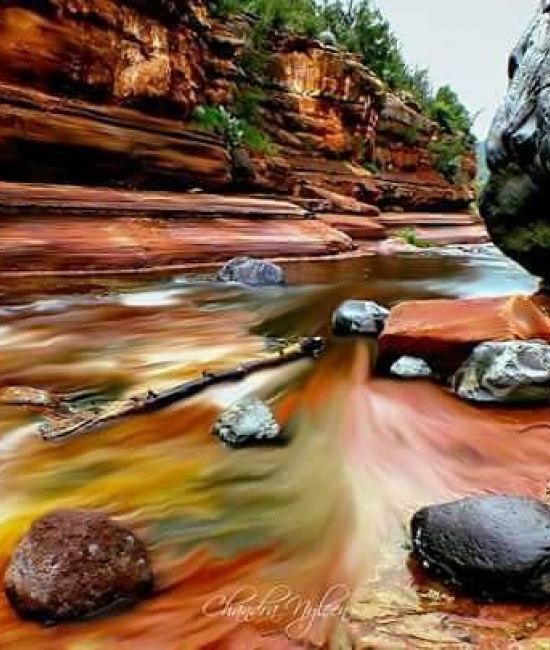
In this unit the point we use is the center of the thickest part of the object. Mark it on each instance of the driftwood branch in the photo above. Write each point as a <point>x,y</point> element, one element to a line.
<point>64,425</point>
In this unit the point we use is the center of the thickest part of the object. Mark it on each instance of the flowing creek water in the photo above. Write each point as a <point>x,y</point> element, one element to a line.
<point>247,544</point>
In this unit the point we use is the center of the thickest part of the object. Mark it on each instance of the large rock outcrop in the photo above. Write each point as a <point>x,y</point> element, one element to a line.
<point>96,92</point>
<point>408,175</point>
<point>516,198</point>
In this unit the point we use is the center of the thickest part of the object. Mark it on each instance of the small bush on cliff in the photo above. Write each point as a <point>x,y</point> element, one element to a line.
<point>247,102</point>
<point>449,112</point>
<point>297,16</point>
<point>236,131</point>
<point>361,28</point>
<point>448,155</point>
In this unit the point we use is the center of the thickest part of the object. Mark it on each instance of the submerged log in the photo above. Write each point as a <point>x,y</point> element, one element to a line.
<point>62,425</point>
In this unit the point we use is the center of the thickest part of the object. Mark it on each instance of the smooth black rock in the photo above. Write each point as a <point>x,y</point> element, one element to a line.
<point>248,423</point>
<point>492,547</point>
<point>247,270</point>
<point>359,317</point>
<point>515,201</point>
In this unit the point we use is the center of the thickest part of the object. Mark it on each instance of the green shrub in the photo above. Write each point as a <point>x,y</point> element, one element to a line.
<point>371,167</point>
<point>449,112</point>
<point>236,131</point>
<point>410,236</point>
<point>247,102</point>
<point>298,16</point>
<point>447,156</point>
<point>411,135</point>
<point>222,8</point>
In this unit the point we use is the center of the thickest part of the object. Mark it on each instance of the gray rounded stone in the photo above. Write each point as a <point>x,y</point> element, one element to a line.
<point>247,270</point>
<point>247,423</point>
<point>359,317</point>
<point>507,372</point>
<point>494,547</point>
<point>411,368</point>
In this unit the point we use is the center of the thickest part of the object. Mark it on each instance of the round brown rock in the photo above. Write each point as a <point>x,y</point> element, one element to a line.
<point>74,564</point>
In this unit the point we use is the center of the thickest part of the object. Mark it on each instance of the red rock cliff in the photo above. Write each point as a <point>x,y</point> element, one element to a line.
<point>102,92</point>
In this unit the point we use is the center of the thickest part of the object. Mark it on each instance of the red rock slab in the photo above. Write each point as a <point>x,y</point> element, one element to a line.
<point>341,203</point>
<point>42,198</point>
<point>354,226</point>
<point>74,243</point>
<point>445,331</point>
<point>60,140</point>
<point>411,219</point>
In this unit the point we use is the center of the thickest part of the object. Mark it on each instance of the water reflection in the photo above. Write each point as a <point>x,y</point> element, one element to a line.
<point>270,532</point>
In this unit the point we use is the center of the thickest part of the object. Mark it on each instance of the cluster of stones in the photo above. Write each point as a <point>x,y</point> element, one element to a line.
<point>75,564</point>
<point>491,547</point>
<point>500,371</point>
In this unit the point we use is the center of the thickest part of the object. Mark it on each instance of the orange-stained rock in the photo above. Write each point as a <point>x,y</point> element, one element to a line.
<point>354,226</point>
<point>97,244</point>
<point>444,332</point>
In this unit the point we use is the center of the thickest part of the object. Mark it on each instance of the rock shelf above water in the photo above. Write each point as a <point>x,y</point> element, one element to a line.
<point>444,332</point>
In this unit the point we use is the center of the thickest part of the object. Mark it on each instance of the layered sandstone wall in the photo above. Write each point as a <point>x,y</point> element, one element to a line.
<point>97,90</point>
<point>408,175</point>
<point>103,92</point>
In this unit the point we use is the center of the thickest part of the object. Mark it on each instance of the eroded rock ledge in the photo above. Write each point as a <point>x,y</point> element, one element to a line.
<point>96,90</point>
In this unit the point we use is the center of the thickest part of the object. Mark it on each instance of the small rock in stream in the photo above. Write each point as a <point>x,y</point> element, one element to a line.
<point>492,547</point>
<point>74,564</point>
<point>248,423</point>
<point>359,317</point>
<point>247,270</point>
<point>411,368</point>
<point>509,372</point>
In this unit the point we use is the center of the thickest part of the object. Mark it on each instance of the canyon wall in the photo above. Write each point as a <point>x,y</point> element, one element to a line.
<point>103,92</point>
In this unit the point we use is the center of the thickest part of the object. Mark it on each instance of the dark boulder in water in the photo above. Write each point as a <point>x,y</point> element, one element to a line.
<point>516,198</point>
<point>359,317</point>
<point>248,423</point>
<point>247,270</point>
<point>492,547</point>
<point>74,564</point>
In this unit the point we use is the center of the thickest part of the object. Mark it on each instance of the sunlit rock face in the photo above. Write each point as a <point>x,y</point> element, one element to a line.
<point>407,174</point>
<point>98,90</point>
<point>516,199</point>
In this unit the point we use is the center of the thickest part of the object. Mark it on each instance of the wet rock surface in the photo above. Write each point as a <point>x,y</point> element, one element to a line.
<point>411,368</point>
<point>489,546</point>
<point>359,317</point>
<point>508,372</point>
<point>254,272</point>
<point>74,564</point>
<point>444,332</point>
<point>514,202</point>
<point>248,423</point>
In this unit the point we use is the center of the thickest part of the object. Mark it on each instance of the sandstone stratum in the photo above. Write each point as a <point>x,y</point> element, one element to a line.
<point>105,94</point>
